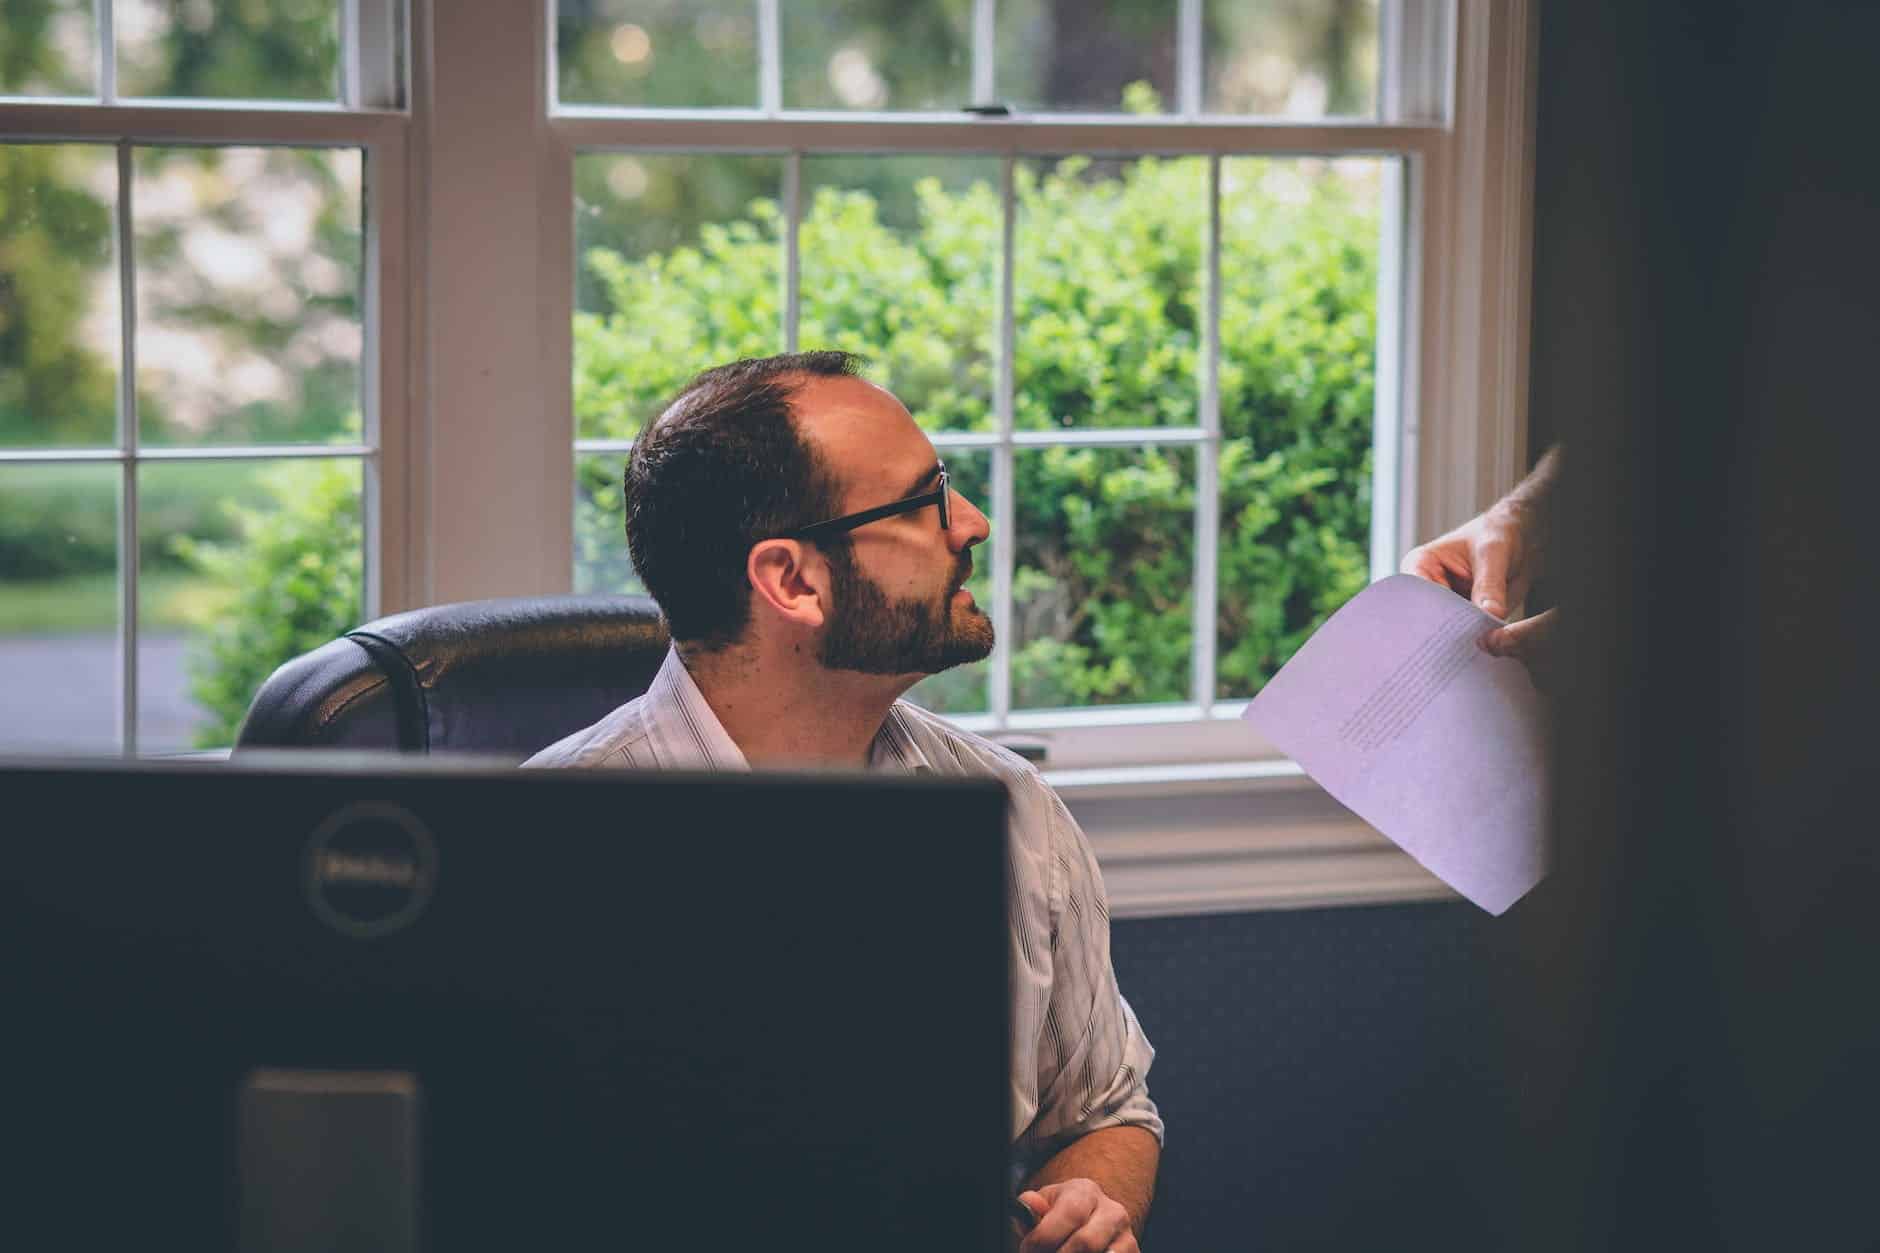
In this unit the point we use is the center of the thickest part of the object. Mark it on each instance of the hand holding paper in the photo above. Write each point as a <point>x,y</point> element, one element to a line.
<point>1396,710</point>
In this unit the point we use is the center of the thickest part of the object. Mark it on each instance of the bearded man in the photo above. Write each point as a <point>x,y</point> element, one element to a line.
<point>810,558</point>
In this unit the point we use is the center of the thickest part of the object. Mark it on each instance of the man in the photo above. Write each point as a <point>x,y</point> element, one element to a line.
<point>810,559</point>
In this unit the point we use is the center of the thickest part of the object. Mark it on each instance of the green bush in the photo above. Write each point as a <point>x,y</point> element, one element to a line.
<point>295,569</point>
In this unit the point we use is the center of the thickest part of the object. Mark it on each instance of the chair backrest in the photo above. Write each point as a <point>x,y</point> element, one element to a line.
<point>495,677</point>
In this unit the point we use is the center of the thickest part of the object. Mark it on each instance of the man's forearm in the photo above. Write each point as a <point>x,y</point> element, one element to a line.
<point>1121,1160</point>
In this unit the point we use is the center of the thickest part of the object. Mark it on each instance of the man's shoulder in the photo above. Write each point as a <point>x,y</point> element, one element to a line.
<point>607,742</point>
<point>952,750</point>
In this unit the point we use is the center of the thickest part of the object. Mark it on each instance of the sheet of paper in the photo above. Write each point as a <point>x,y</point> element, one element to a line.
<point>1393,707</point>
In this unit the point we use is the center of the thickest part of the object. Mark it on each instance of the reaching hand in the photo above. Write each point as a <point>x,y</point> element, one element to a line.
<point>1529,641</point>
<point>1490,559</point>
<point>1493,558</point>
<point>1075,1216</point>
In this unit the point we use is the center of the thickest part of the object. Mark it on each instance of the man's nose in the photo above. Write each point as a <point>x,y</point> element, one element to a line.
<point>969,525</point>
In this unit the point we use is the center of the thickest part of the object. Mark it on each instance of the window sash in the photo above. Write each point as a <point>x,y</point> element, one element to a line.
<point>1456,105</point>
<point>1412,40</point>
<point>372,39</point>
<point>385,357</point>
<point>1005,443</point>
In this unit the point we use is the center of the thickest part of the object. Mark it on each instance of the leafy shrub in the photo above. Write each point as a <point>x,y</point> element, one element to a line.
<point>295,569</point>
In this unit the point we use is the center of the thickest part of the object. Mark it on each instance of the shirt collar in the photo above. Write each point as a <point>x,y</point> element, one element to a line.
<point>685,730</point>
<point>894,747</point>
<point>688,734</point>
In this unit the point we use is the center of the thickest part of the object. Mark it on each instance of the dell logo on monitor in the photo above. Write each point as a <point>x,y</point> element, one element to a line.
<point>369,869</point>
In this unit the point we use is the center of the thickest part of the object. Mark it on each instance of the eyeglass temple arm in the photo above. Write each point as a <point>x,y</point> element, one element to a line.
<point>871,515</point>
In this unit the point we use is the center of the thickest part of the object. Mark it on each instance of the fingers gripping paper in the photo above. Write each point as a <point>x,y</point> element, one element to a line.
<point>1393,707</point>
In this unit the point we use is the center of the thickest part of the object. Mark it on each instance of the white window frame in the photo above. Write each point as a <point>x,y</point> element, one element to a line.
<point>368,117</point>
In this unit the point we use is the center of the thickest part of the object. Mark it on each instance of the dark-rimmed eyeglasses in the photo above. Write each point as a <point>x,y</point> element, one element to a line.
<point>940,495</point>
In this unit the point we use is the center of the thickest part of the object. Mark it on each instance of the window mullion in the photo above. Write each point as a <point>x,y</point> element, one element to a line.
<point>349,67</point>
<point>1004,458</point>
<point>769,56</point>
<point>1388,376</point>
<point>792,248</point>
<point>128,525</point>
<point>985,78</point>
<point>106,26</point>
<point>1207,462</point>
<point>1188,73</point>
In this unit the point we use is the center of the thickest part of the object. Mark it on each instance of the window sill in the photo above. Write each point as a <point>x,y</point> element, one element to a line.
<point>1233,837</point>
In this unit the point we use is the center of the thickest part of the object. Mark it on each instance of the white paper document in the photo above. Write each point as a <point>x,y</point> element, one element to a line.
<point>1394,709</point>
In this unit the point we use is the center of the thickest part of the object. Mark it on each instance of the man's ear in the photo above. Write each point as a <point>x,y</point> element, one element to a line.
<point>789,579</point>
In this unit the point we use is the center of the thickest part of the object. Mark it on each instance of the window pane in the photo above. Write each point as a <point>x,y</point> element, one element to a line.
<point>877,54</point>
<point>1299,274</point>
<point>1108,291</point>
<point>1103,595</point>
<point>601,564</point>
<point>966,689</point>
<point>680,268</point>
<point>59,328</point>
<point>1087,56</point>
<point>248,295</point>
<point>58,608</point>
<point>657,53</point>
<point>1292,58</point>
<point>899,260</point>
<point>48,48</point>
<point>203,50</point>
<point>245,564</point>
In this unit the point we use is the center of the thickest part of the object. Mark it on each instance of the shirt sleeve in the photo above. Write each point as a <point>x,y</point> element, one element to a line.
<point>1093,1058</point>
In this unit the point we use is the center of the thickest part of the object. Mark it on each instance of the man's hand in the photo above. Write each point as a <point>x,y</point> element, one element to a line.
<point>1076,1217</point>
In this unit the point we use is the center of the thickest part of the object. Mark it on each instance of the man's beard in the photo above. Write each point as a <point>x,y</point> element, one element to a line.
<point>874,635</point>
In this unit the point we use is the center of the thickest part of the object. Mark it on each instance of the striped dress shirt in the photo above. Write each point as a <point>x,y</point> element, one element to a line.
<point>1079,1058</point>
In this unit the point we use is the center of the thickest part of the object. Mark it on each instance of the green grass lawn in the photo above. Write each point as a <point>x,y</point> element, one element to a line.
<point>89,602</point>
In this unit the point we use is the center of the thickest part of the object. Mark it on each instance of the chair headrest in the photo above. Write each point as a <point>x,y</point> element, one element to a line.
<point>502,677</point>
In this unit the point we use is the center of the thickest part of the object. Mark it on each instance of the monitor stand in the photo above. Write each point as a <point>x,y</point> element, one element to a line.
<point>328,1159</point>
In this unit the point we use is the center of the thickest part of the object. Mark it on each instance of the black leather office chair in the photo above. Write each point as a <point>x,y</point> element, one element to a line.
<point>495,677</point>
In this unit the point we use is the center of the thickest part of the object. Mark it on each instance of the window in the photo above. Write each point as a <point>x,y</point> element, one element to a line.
<point>191,417</point>
<point>1157,294</point>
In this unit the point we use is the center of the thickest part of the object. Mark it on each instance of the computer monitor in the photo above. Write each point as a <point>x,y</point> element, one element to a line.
<point>565,1009</point>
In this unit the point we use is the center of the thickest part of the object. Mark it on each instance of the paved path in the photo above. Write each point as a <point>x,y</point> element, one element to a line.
<point>59,693</point>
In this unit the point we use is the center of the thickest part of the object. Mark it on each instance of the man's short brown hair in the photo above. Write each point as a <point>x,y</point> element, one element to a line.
<point>723,467</point>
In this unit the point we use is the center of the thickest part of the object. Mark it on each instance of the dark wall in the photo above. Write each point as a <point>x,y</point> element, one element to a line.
<point>1700,1041</point>
<point>1330,1078</point>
